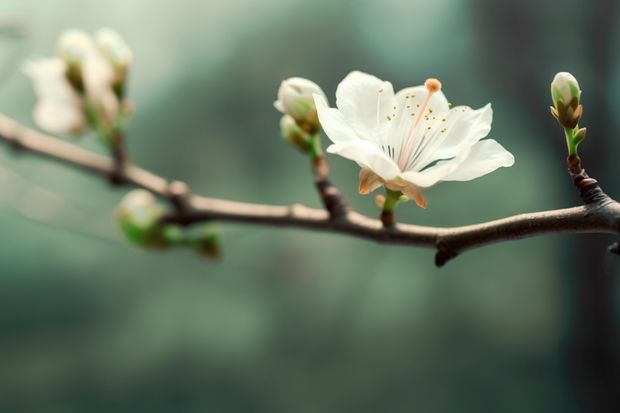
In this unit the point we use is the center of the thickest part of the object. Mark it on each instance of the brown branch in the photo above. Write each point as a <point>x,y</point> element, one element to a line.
<point>595,217</point>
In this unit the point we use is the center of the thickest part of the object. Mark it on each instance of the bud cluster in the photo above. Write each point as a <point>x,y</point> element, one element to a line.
<point>300,123</point>
<point>140,218</point>
<point>84,85</point>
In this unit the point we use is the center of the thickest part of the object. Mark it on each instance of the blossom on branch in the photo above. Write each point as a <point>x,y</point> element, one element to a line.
<point>410,140</point>
<point>83,85</point>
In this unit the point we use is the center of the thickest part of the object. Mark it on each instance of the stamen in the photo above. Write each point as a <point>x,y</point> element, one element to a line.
<point>432,85</point>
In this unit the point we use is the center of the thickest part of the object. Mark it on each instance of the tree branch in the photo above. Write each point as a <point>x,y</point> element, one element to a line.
<point>601,215</point>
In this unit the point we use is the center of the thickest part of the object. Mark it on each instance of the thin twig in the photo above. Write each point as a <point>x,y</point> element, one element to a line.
<point>595,217</point>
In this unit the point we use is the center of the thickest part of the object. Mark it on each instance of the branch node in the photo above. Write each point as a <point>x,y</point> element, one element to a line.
<point>444,254</point>
<point>388,219</point>
<point>332,199</point>
<point>589,189</point>
<point>178,192</point>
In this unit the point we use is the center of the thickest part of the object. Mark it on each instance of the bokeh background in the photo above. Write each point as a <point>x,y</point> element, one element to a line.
<point>291,320</point>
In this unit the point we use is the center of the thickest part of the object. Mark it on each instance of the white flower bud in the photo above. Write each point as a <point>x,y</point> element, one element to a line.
<point>565,89</point>
<point>74,46</point>
<point>138,216</point>
<point>113,46</point>
<point>295,99</point>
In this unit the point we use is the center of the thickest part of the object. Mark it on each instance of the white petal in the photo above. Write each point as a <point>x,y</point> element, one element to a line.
<point>414,96</point>
<point>98,75</point>
<point>366,102</point>
<point>49,80</point>
<point>58,118</point>
<point>484,157</point>
<point>333,123</point>
<point>368,155</point>
<point>464,127</point>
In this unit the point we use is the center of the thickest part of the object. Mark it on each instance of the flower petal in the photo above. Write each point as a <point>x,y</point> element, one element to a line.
<point>369,181</point>
<point>58,118</point>
<point>464,127</point>
<point>485,157</point>
<point>415,194</point>
<point>333,123</point>
<point>368,155</point>
<point>366,103</point>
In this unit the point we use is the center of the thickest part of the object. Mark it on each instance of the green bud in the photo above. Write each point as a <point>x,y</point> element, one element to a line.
<point>294,134</point>
<point>138,217</point>
<point>579,136</point>
<point>207,243</point>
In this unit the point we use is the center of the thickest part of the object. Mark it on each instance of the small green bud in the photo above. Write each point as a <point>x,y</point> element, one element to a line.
<point>579,136</point>
<point>565,94</point>
<point>138,217</point>
<point>295,99</point>
<point>207,243</point>
<point>294,134</point>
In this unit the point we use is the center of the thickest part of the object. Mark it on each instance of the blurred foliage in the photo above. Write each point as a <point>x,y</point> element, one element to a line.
<point>290,320</point>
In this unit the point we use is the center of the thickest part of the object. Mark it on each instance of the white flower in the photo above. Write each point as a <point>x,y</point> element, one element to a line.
<point>59,108</point>
<point>295,99</point>
<point>409,140</point>
<point>81,79</point>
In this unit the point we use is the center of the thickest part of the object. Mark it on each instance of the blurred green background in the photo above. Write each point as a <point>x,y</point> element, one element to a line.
<point>291,320</point>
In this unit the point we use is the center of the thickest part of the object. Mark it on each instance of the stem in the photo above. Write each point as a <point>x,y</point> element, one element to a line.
<point>570,141</point>
<point>388,216</point>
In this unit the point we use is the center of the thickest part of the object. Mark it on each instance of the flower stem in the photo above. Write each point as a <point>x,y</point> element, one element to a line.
<point>392,198</point>
<point>570,141</point>
<point>316,151</point>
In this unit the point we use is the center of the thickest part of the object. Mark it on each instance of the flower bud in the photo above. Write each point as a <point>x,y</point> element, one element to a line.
<point>294,134</point>
<point>565,94</point>
<point>208,243</point>
<point>74,46</point>
<point>114,48</point>
<point>295,99</point>
<point>138,216</point>
<point>565,88</point>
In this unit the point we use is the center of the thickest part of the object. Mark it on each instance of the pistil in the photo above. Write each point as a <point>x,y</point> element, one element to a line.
<point>432,85</point>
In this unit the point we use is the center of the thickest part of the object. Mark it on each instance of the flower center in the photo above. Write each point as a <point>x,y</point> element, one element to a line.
<point>432,85</point>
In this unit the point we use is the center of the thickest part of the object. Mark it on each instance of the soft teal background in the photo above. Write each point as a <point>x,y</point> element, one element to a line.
<point>291,320</point>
